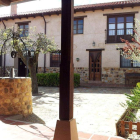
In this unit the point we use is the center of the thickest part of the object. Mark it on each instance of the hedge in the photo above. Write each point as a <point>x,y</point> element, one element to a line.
<point>52,79</point>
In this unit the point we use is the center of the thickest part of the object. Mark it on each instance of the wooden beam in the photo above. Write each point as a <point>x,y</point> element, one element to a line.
<point>80,17</point>
<point>23,22</point>
<point>95,49</point>
<point>5,2</point>
<point>123,13</point>
<point>66,67</point>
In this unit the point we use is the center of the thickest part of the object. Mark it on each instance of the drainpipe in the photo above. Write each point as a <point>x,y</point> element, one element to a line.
<point>45,34</point>
<point>4,54</point>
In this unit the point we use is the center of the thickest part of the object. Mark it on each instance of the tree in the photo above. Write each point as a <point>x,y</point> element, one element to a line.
<point>132,51</point>
<point>10,41</point>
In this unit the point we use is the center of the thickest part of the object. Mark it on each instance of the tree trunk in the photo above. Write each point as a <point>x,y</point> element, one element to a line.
<point>34,79</point>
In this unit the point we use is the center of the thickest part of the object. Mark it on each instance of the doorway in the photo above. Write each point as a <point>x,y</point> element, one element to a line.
<point>95,65</point>
<point>21,68</point>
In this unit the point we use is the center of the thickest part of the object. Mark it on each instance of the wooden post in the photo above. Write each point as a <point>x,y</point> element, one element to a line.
<point>66,67</point>
<point>122,128</point>
<point>138,128</point>
<point>66,127</point>
<point>130,127</point>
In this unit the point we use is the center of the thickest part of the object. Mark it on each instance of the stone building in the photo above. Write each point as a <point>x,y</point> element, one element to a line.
<point>97,32</point>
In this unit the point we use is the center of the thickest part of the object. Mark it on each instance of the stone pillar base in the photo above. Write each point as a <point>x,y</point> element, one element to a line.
<point>66,130</point>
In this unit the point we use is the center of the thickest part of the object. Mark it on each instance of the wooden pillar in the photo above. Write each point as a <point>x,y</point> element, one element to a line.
<point>66,67</point>
<point>66,127</point>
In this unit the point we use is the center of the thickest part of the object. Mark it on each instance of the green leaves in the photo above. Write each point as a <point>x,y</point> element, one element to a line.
<point>52,79</point>
<point>133,102</point>
<point>36,41</point>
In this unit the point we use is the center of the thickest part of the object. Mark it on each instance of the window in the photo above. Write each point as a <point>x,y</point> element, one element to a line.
<point>120,27</point>
<point>25,29</point>
<point>78,26</point>
<point>127,63</point>
<point>55,59</point>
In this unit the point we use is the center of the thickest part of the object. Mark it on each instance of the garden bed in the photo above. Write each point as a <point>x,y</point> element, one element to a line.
<point>124,117</point>
<point>129,122</point>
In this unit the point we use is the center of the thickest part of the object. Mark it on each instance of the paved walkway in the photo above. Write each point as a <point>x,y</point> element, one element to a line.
<point>96,109</point>
<point>14,130</point>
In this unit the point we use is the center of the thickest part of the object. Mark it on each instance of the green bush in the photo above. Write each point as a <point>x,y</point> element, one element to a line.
<point>133,102</point>
<point>76,80</point>
<point>52,79</point>
<point>138,85</point>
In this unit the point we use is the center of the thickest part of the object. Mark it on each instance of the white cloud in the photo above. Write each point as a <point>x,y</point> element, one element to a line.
<point>47,4</point>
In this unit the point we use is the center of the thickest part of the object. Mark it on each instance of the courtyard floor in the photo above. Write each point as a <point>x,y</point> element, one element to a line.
<point>96,111</point>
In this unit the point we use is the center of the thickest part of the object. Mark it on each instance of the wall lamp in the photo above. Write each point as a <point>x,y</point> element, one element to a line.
<point>93,44</point>
<point>77,59</point>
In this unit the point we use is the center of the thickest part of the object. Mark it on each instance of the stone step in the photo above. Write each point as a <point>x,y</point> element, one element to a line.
<point>94,82</point>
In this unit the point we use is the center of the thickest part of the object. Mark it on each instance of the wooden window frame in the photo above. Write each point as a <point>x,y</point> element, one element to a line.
<point>126,67</point>
<point>115,36</point>
<point>77,19</point>
<point>55,63</point>
<point>1,60</point>
<point>24,23</point>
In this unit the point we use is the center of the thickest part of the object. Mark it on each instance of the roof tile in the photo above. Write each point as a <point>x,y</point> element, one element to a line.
<point>85,7</point>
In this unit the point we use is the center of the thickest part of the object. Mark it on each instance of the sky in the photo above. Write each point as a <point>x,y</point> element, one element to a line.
<point>47,4</point>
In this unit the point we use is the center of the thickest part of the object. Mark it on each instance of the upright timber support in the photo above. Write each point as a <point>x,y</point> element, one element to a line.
<point>66,127</point>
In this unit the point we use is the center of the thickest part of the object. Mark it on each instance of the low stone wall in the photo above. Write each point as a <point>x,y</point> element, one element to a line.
<point>15,96</point>
<point>84,72</point>
<point>116,75</point>
<point>49,70</point>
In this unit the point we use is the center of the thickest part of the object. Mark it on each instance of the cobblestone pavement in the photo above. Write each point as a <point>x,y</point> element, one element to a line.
<point>96,109</point>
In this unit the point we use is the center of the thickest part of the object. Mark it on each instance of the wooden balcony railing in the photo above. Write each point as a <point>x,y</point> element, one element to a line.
<point>113,36</point>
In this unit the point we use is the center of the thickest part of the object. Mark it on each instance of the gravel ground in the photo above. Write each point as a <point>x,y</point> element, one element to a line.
<point>96,109</point>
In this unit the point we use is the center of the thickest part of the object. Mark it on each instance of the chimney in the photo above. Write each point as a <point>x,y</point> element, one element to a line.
<point>14,9</point>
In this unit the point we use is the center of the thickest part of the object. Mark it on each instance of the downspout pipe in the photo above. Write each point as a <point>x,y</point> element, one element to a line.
<point>4,54</point>
<point>45,34</point>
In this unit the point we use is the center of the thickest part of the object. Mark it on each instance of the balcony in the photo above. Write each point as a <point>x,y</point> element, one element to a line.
<point>114,35</point>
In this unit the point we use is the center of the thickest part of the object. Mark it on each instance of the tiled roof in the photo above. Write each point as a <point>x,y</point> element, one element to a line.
<point>117,4</point>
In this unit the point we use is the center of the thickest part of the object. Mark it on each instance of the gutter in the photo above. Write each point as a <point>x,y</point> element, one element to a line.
<point>4,56</point>
<point>45,34</point>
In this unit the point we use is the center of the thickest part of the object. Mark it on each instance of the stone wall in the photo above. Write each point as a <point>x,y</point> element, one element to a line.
<point>84,72</point>
<point>117,75</point>
<point>15,96</point>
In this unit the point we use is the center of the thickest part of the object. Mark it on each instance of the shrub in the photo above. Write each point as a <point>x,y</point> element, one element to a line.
<point>133,102</point>
<point>52,79</point>
<point>76,80</point>
<point>138,85</point>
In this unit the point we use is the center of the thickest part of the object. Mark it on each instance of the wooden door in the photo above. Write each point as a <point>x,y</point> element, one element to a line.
<point>95,65</point>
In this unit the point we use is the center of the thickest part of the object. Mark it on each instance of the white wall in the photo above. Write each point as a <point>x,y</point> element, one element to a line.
<point>94,30</point>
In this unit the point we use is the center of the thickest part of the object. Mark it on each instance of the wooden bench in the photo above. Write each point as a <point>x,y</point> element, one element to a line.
<point>132,76</point>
